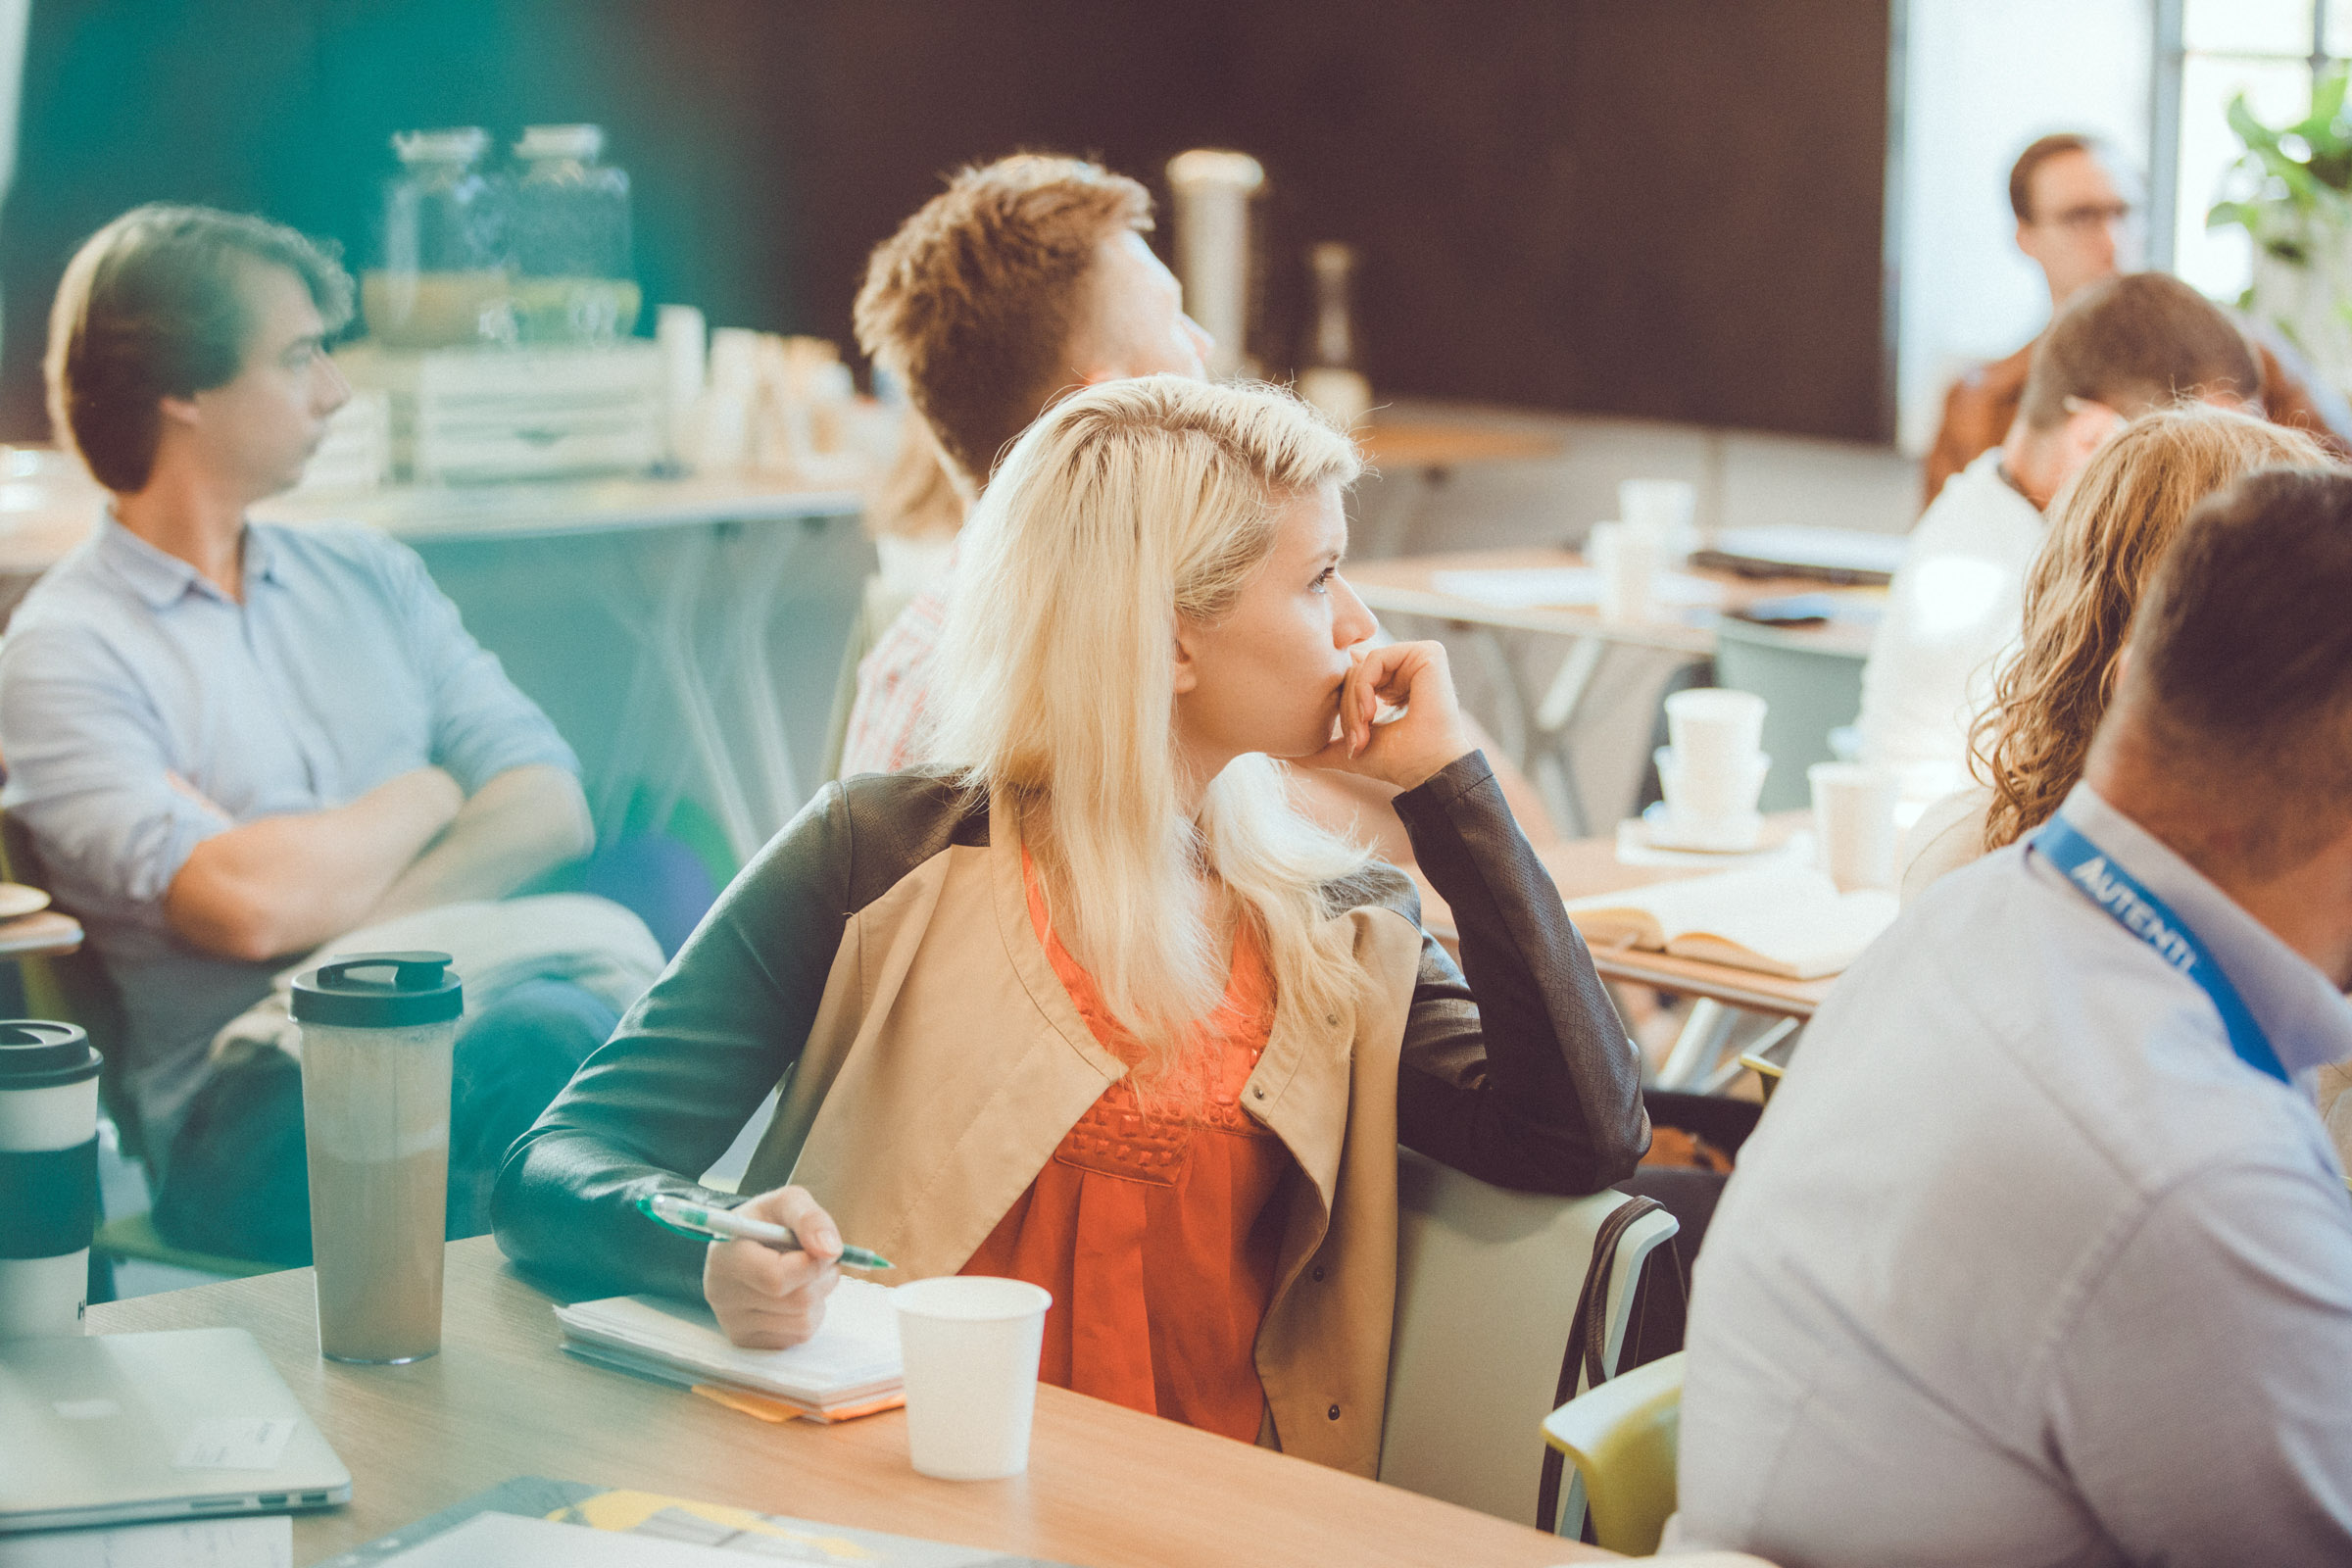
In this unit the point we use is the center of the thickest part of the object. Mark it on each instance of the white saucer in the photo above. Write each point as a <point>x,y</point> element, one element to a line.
<point>15,899</point>
<point>1741,834</point>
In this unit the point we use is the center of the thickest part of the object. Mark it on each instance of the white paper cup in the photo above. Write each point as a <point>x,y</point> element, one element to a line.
<point>971,1346</point>
<point>1628,561</point>
<point>1713,806</point>
<point>1853,822</point>
<point>1715,731</point>
<point>1665,509</point>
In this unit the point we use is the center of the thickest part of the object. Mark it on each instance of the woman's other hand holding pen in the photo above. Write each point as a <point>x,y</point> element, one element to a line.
<point>765,1299</point>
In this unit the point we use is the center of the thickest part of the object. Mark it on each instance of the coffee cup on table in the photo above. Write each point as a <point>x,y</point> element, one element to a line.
<point>972,1345</point>
<point>379,1032</point>
<point>1627,559</point>
<point>1712,773</point>
<point>48,1176</point>
<point>1854,820</point>
<point>1663,508</point>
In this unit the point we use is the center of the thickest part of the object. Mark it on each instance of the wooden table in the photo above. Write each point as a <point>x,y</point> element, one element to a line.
<point>1407,585</point>
<point>1105,1486</point>
<point>1532,729</point>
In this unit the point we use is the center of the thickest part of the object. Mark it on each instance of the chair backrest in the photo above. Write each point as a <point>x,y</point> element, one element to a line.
<point>1487,1288</point>
<point>1622,1438</point>
<point>75,988</point>
<point>877,608</point>
<point>1807,691</point>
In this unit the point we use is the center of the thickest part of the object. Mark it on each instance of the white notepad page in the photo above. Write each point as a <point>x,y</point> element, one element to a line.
<point>856,1352</point>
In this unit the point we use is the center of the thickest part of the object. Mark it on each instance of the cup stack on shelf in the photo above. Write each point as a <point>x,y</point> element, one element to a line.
<point>1712,771</point>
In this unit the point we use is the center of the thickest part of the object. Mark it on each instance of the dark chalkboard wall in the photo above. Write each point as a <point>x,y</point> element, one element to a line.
<point>1664,208</point>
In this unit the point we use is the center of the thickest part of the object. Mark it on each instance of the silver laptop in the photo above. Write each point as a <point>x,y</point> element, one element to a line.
<point>122,1427</point>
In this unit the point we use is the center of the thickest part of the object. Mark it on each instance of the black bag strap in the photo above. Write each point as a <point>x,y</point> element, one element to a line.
<point>1584,1362</point>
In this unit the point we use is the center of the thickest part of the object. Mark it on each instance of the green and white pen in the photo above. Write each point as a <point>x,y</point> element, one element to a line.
<point>708,1224</point>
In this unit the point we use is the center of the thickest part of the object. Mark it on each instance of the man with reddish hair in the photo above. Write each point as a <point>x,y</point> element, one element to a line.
<point>1022,282</point>
<point>1024,279</point>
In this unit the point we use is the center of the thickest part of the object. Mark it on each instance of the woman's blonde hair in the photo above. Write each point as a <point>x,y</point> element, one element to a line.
<point>1128,506</point>
<point>2107,532</point>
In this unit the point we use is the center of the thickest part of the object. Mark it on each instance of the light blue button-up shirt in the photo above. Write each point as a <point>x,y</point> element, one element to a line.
<point>343,667</point>
<point>2024,1265</point>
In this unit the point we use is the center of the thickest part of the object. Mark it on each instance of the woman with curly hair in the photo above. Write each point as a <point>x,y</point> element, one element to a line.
<point>2107,533</point>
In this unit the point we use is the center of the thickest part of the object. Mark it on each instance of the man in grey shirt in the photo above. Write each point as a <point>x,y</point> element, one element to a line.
<point>2041,1254</point>
<point>232,743</point>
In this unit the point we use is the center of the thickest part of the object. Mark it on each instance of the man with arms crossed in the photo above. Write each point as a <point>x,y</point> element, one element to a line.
<point>1957,605</point>
<point>2076,222</point>
<point>2043,1254</point>
<point>1023,281</point>
<point>232,743</point>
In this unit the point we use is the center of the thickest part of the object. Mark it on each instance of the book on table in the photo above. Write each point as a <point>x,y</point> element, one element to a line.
<point>852,1366</point>
<point>1789,922</point>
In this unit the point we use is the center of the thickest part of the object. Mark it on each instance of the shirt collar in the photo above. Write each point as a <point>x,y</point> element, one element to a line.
<point>162,578</point>
<point>2307,1019</point>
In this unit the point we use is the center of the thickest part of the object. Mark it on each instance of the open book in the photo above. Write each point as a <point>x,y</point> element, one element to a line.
<point>850,1367</point>
<point>1777,919</point>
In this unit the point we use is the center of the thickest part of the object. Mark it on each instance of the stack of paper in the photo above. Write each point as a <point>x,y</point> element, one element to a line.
<point>852,1366</point>
<point>1778,920</point>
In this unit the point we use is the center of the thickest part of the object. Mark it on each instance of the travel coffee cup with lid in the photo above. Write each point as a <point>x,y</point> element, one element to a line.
<point>48,1175</point>
<point>377,1032</point>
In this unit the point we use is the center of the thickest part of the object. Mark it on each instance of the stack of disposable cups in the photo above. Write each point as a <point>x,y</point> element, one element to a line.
<point>1628,559</point>
<point>680,332</point>
<point>1712,773</point>
<point>1664,508</point>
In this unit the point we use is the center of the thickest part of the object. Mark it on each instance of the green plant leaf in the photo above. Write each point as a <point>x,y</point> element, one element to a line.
<point>2257,136</point>
<point>2319,126</point>
<point>2221,215</point>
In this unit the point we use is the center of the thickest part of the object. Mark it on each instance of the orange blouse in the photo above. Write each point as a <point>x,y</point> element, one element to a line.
<point>1155,1229</point>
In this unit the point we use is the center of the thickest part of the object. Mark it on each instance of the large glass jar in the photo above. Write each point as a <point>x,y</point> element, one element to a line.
<point>571,239</point>
<point>444,274</point>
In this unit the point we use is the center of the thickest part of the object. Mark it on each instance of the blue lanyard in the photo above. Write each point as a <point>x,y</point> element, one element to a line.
<point>2094,874</point>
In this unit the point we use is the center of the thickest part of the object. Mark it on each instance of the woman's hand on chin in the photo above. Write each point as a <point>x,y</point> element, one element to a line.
<point>1408,750</point>
<point>765,1299</point>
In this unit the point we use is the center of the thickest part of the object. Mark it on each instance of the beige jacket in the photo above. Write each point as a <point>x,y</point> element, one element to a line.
<point>934,1062</point>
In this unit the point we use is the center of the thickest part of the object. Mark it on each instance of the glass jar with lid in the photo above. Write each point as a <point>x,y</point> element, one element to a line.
<point>444,274</point>
<point>572,238</point>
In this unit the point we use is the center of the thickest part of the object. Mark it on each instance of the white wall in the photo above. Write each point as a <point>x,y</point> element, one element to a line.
<point>1983,78</point>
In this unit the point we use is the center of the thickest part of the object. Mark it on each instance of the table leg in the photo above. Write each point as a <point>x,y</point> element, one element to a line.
<point>754,601</point>
<point>1699,1046</point>
<point>666,634</point>
<point>1551,720</point>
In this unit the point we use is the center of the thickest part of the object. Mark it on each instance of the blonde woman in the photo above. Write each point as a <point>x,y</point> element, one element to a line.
<point>2107,532</point>
<point>1096,1007</point>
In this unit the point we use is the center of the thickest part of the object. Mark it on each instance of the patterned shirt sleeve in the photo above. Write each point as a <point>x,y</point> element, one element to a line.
<point>894,684</point>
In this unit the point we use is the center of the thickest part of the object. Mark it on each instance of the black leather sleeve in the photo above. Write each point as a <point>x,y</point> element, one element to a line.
<point>663,1099</point>
<point>1521,1074</point>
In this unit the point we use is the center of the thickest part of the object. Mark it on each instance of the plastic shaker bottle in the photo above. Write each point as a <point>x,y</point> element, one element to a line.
<point>377,1032</point>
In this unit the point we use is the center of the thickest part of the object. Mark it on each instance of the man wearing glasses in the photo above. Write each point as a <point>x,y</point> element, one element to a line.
<point>2076,220</point>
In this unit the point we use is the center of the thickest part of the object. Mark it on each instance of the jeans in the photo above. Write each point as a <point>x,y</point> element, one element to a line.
<point>238,1181</point>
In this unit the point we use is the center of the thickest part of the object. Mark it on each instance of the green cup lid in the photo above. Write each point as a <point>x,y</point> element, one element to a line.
<point>42,1054</point>
<point>379,991</point>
